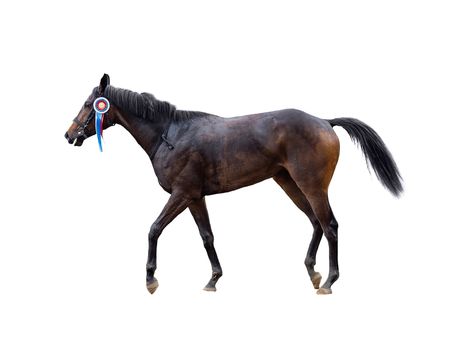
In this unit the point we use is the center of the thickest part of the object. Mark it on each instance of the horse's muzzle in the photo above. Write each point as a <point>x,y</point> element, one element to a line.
<point>71,140</point>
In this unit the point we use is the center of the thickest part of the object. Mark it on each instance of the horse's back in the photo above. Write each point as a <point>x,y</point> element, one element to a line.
<point>268,124</point>
<point>284,132</point>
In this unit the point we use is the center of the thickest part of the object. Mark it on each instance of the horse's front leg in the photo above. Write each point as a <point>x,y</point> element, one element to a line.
<point>175,205</point>
<point>200,214</point>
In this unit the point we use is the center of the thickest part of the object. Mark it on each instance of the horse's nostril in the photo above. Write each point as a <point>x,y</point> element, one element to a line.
<point>68,138</point>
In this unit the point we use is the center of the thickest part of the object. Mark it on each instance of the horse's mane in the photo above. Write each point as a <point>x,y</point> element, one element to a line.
<point>146,106</point>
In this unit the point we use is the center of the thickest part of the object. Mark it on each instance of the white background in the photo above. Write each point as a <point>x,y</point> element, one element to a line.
<point>74,225</point>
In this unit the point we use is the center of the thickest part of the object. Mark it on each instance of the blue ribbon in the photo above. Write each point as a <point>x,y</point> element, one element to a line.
<point>99,128</point>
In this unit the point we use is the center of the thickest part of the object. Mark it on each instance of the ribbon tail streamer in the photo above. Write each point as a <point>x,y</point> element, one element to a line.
<point>99,129</point>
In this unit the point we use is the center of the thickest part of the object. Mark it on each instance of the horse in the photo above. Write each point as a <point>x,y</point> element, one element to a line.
<point>196,154</point>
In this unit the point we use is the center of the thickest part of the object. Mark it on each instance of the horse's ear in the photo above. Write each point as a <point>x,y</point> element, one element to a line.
<point>104,82</point>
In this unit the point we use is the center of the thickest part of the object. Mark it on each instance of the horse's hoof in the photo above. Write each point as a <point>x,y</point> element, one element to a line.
<point>316,280</point>
<point>152,286</point>
<point>324,291</point>
<point>210,289</point>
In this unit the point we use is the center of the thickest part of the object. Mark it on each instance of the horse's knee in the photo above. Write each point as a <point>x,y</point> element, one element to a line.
<point>208,239</point>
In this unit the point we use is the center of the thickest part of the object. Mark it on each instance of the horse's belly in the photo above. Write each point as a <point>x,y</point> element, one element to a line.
<point>236,172</point>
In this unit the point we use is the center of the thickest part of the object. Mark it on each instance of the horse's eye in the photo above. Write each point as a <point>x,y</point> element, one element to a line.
<point>87,104</point>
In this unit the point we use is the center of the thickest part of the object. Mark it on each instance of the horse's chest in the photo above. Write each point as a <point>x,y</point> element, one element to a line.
<point>178,168</point>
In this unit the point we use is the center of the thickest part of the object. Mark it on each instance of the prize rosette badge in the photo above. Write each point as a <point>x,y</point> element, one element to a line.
<point>101,106</point>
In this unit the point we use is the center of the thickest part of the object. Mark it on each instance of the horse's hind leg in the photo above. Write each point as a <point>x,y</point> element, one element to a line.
<point>290,187</point>
<point>200,214</point>
<point>321,206</point>
<point>312,169</point>
<point>318,200</point>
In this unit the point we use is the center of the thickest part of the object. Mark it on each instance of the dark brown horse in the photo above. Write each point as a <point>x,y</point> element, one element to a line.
<point>195,154</point>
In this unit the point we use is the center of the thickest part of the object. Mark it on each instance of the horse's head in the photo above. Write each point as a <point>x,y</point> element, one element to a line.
<point>83,125</point>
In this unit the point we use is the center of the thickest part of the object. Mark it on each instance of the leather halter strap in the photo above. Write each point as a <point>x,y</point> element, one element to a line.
<point>84,125</point>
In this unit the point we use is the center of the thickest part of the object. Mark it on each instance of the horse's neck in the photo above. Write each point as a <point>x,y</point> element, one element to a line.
<point>146,133</point>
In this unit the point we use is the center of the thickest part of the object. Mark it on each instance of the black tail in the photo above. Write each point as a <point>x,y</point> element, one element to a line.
<point>375,152</point>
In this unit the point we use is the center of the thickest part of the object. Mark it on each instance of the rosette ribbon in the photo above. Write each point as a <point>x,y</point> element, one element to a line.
<point>101,106</point>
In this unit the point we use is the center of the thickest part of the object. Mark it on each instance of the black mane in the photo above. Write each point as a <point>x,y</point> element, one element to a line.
<point>146,106</point>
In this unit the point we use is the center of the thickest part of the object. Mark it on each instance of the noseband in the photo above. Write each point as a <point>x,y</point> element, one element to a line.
<point>82,126</point>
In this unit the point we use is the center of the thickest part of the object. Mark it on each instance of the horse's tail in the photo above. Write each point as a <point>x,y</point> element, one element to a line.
<point>375,152</point>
